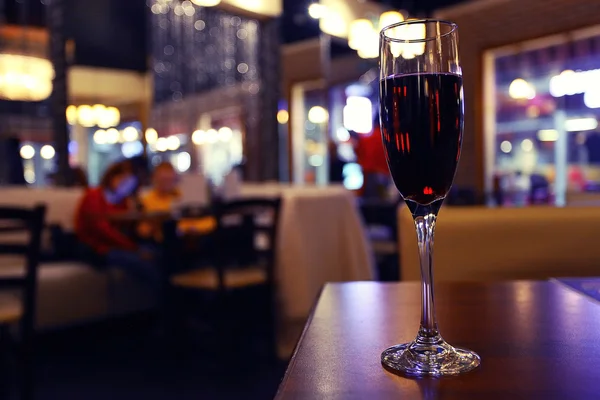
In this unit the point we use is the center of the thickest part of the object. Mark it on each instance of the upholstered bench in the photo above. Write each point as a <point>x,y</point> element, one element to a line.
<point>488,244</point>
<point>71,292</point>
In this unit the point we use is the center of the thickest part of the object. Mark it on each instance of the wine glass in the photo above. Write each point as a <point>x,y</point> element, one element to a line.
<point>421,110</point>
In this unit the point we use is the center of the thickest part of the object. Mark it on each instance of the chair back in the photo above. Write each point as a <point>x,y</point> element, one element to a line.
<point>21,235</point>
<point>381,214</point>
<point>182,250</point>
<point>245,235</point>
<point>247,231</point>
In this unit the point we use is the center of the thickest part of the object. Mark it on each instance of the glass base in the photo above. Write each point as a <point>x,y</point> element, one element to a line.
<point>429,358</point>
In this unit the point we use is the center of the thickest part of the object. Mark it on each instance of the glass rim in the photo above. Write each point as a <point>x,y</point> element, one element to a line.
<point>382,34</point>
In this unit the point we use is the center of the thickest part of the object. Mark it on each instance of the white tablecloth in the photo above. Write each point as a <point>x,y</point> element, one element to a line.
<point>320,239</point>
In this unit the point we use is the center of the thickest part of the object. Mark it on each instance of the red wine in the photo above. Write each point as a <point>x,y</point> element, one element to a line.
<point>421,126</point>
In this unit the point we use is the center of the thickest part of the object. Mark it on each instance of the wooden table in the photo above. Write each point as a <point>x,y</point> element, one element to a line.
<point>537,340</point>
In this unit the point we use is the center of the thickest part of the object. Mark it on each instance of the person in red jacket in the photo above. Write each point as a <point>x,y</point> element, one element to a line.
<point>102,240</point>
<point>370,156</point>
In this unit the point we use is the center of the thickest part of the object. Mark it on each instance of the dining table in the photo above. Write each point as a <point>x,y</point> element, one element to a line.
<point>536,339</point>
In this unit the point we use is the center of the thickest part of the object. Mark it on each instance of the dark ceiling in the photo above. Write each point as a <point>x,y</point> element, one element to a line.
<point>112,33</point>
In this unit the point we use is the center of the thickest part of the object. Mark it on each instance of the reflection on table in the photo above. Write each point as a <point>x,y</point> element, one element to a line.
<point>536,340</point>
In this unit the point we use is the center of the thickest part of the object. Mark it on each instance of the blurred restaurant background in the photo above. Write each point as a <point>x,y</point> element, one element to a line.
<point>278,99</point>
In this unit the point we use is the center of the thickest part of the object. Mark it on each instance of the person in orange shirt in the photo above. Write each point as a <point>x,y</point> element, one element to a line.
<point>164,190</point>
<point>161,199</point>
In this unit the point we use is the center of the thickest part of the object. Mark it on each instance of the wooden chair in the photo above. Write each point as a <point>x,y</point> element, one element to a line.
<point>239,257</point>
<point>20,235</point>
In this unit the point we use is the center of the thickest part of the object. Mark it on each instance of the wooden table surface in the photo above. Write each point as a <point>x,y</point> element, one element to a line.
<point>537,340</point>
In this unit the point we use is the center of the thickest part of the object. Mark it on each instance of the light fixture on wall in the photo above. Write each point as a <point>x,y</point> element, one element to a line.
<point>25,78</point>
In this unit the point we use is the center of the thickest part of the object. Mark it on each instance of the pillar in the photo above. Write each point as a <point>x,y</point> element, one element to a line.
<point>58,99</point>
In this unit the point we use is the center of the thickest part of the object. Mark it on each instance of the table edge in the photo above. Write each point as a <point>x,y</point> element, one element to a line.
<point>292,362</point>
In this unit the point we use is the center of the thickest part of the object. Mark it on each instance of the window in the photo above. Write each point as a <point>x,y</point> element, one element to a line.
<point>542,102</point>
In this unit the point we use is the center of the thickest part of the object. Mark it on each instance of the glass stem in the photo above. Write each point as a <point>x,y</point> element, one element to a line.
<point>425,226</point>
